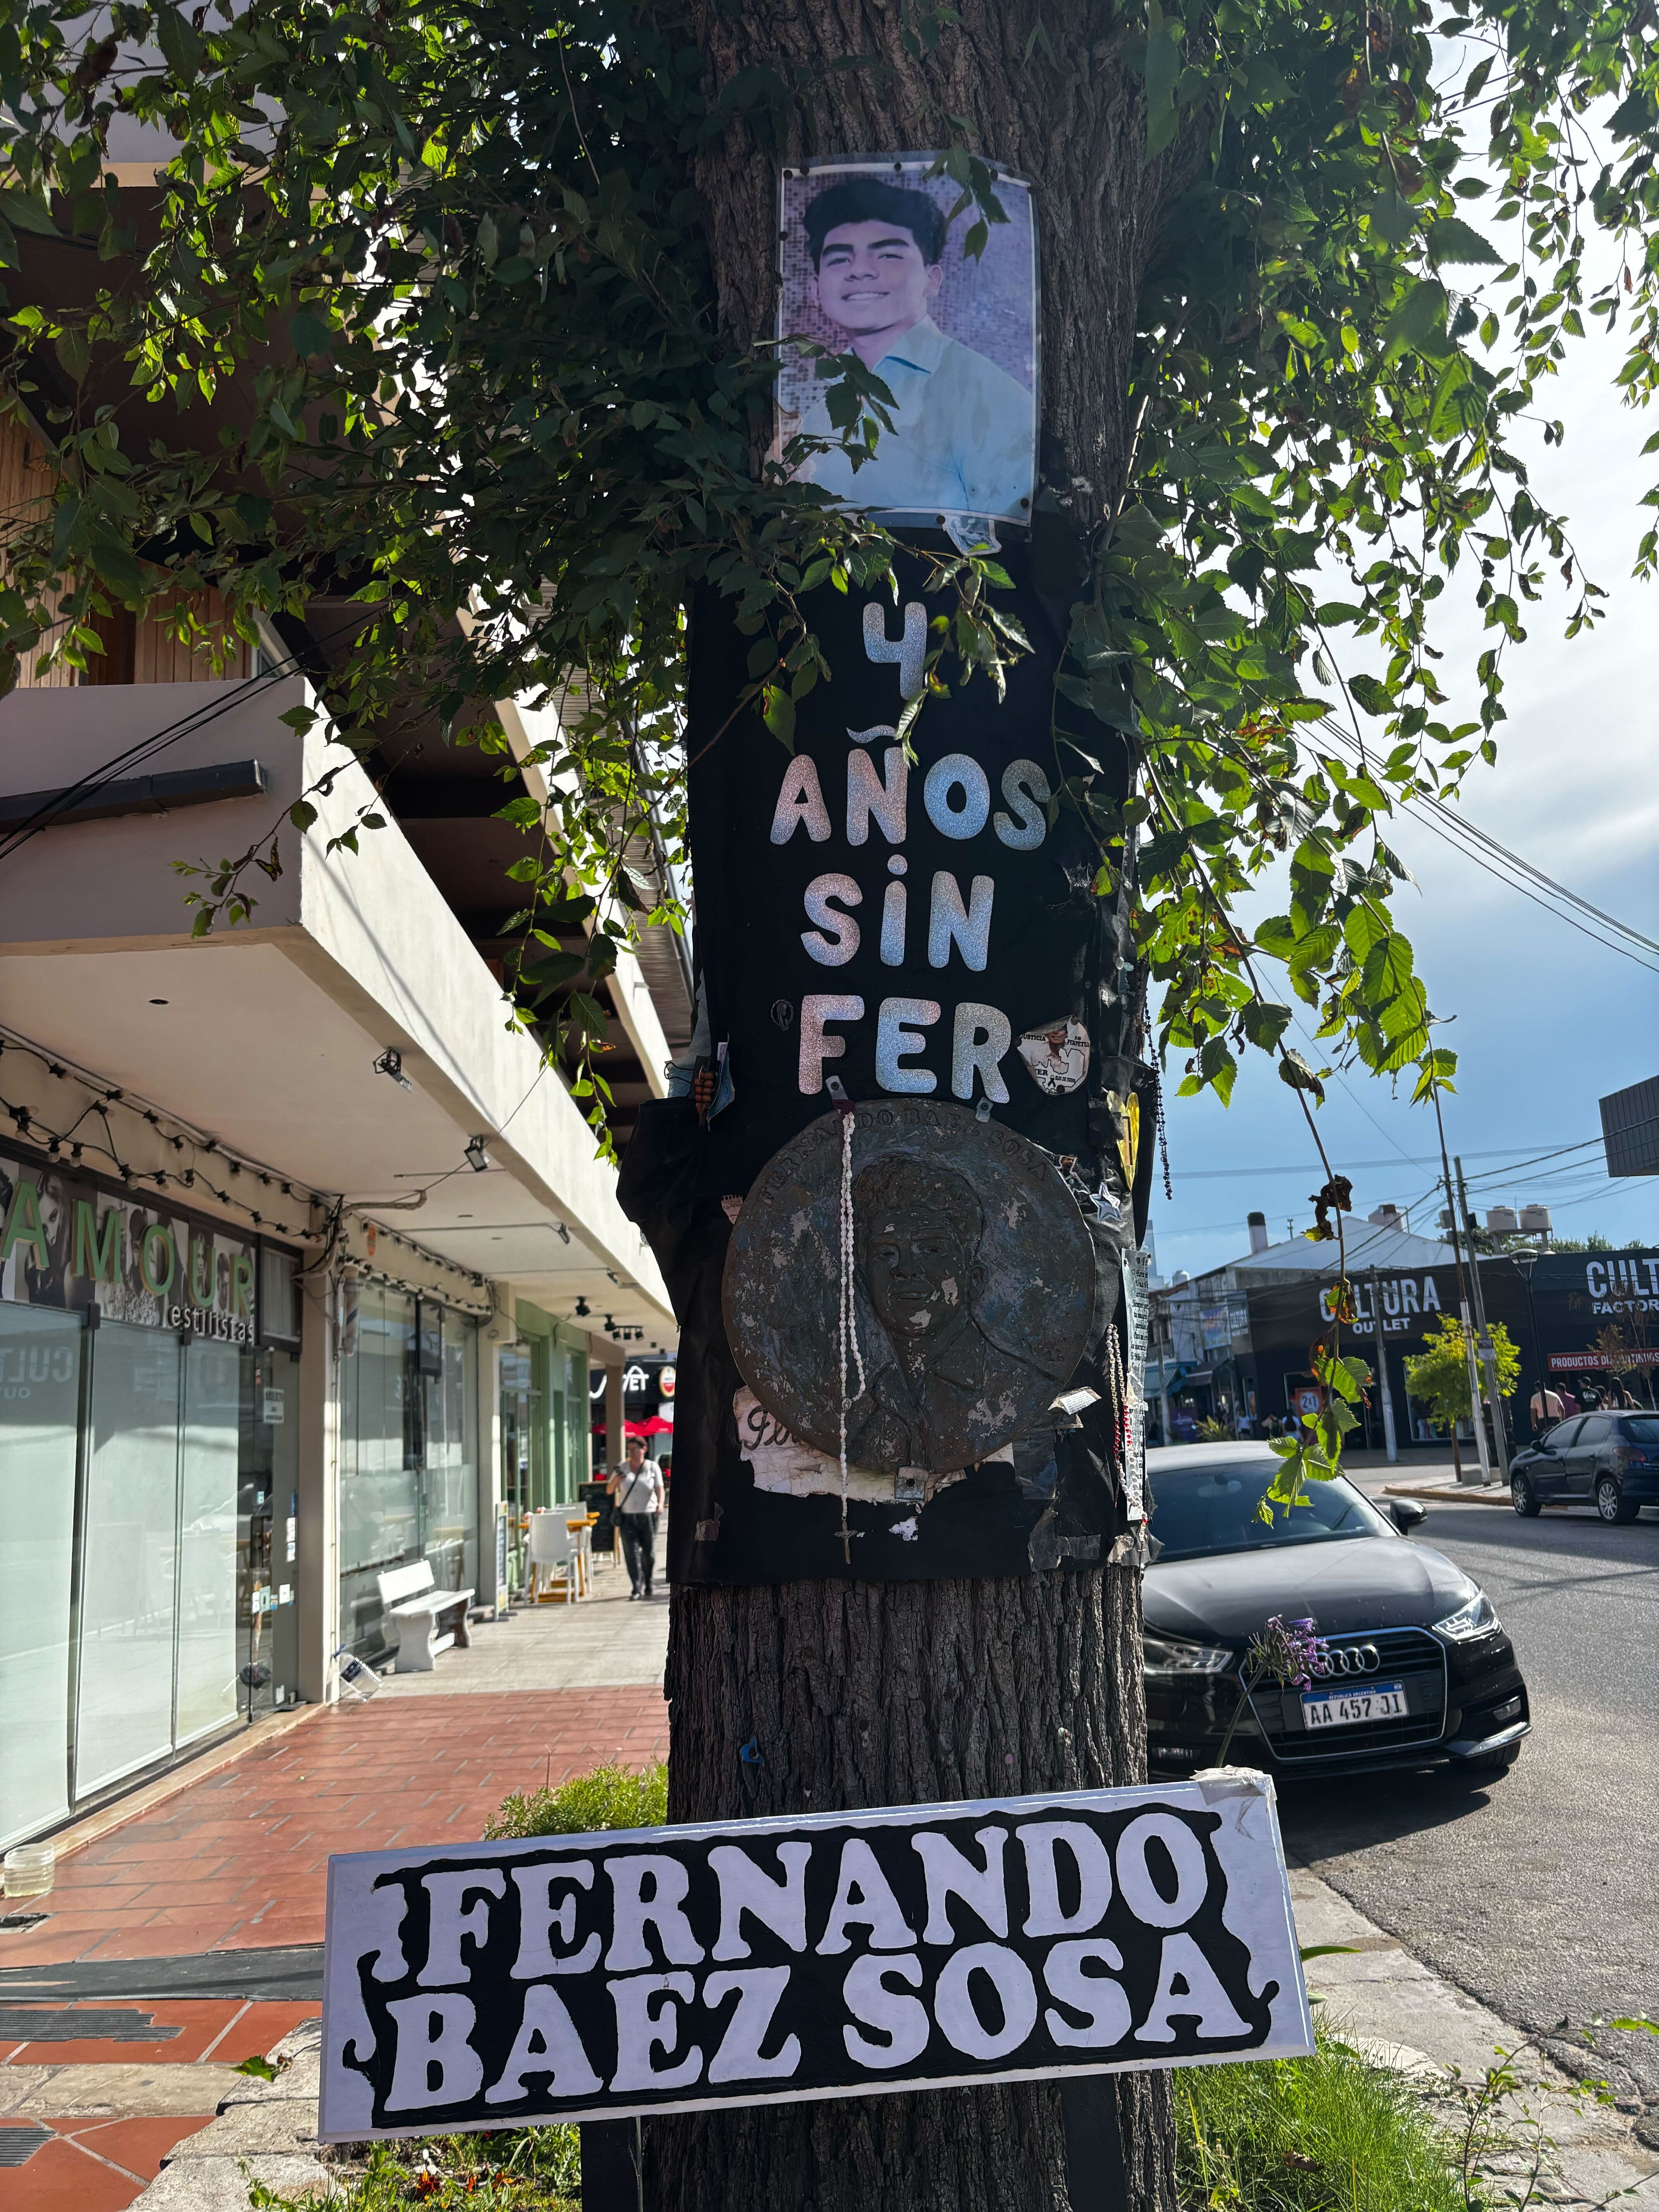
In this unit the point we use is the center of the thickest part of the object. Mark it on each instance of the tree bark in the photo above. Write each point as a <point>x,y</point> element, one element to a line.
<point>869,1694</point>
<point>856,1694</point>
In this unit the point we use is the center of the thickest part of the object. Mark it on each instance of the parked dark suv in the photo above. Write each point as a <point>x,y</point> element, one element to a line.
<point>1607,1460</point>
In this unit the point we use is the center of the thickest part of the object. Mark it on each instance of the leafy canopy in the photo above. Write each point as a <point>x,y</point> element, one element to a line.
<point>1439,1376</point>
<point>423,316</point>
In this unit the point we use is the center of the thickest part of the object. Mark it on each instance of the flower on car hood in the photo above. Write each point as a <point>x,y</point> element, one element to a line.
<point>1289,1652</point>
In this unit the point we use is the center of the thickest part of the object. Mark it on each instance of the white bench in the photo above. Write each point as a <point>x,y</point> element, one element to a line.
<point>419,1621</point>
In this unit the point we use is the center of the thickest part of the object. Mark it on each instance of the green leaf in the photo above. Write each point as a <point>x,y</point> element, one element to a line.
<point>1163,68</point>
<point>179,41</point>
<point>1420,315</point>
<point>116,565</point>
<point>1264,1022</point>
<point>23,213</point>
<point>1451,239</point>
<point>548,973</point>
<point>1393,218</point>
<point>308,332</point>
<point>779,714</point>
<point>302,814</point>
<point>71,347</point>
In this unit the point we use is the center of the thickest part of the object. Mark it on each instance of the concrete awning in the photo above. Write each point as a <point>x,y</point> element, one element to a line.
<point>266,1034</point>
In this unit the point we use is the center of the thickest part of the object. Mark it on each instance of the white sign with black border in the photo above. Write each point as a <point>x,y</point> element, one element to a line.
<point>605,1976</point>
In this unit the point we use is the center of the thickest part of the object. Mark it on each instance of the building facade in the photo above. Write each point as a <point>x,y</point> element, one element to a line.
<point>305,1253</point>
<point>1234,1346</point>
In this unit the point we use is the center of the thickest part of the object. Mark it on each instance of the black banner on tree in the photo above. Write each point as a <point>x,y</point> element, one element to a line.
<point>593,1976</point>
<point>919,929</point>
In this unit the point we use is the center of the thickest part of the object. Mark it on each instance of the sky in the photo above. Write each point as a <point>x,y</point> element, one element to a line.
<point>1545,1020</point>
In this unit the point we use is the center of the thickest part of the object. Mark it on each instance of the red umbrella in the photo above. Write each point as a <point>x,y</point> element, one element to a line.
<point>656,1427</point>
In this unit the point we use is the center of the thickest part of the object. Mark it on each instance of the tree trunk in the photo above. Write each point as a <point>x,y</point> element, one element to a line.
<point>863,1693</point>
<point>870,1693</point>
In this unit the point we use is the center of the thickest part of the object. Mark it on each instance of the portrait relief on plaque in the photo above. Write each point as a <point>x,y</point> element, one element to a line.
<point>973,1281</point>
<point>875,260</point>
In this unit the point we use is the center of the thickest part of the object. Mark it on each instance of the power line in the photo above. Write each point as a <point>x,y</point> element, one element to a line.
<point>1306,1167</point>
<point>1510,869</point>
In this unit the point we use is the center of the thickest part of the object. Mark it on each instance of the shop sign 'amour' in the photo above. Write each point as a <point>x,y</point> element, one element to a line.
<point>594,1977</point>
<point>65,1241</point>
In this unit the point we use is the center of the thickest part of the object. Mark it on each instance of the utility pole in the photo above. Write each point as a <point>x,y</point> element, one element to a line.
<point>1488,1356</point>
<point>1389,1439</point>
<point>1476,1423</point>
<point>1165,1339</point>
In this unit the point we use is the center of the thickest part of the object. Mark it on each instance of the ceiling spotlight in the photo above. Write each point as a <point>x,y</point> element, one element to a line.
<point>475,1155</point>
<point>582,1310</point>
<point>391,1062</point>
<point>562,1232</point>
<point>158,1002</point>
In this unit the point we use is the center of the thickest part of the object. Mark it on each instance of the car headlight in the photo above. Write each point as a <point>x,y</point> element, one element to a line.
<point>1474,1619</point>
<point>1174,1655</point>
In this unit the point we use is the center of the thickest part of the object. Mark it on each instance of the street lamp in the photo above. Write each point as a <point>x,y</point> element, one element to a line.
<point>1526,1261</point>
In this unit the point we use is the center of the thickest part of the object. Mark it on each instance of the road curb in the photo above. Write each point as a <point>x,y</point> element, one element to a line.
<point>1406,2016</point>
<point>1444,1494</point>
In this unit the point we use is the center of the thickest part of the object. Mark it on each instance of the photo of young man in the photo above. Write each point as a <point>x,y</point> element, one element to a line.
<point>963,429</point>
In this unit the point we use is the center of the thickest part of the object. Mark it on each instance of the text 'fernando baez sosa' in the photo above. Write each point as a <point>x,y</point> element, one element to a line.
<point>596,1975</point>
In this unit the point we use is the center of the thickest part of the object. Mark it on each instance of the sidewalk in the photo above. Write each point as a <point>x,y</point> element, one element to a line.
<point>1403,2014</point>
<point>108,2064</point>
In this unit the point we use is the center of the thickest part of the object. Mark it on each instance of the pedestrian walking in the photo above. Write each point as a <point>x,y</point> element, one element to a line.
<point>636,1490</point>
<point>1546,1408</point>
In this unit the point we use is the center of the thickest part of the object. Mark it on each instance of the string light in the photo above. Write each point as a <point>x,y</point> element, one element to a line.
<point>29,1125</point>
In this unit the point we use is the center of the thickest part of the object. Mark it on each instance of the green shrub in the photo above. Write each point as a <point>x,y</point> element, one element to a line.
<point>520,2169</point>
<point>610,1797</point>
<point>1332,2133</point>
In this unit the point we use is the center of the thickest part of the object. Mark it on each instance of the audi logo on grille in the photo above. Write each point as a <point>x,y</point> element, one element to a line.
<point>1353,1659</point>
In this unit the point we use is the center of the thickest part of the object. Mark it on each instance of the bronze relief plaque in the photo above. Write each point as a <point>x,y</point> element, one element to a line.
<point>973,1279</point>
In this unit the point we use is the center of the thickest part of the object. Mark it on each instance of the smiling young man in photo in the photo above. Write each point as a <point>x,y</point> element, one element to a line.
<point>962,437</point>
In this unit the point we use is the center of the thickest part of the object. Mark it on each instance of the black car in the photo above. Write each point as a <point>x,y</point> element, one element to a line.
<point>1607,1460</point>
<point>1419,1671</point>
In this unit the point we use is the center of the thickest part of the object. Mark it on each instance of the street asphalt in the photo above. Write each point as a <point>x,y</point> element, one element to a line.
<point>1538,1893</point>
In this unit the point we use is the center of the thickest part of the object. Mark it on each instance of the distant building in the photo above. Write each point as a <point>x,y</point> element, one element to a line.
<point>1234,1344</point>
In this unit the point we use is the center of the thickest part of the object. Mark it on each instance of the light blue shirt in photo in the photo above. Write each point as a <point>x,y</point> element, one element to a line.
<point>961,441</point>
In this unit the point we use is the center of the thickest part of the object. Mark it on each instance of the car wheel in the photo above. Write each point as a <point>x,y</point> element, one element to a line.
<point>1612,1503</point>
<point>1524,1498</point>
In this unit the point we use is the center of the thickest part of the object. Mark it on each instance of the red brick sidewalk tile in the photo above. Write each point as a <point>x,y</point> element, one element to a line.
<point>239,1860</point>
<point>138,2145</point>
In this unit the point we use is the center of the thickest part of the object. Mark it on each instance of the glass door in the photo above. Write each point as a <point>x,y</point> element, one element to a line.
<point>39,1420</point>
<point>449,1471</point>
<point>380,1456</point>
<point>516,1463</point>
<point>207,1539</point>
<point>129,1556</point>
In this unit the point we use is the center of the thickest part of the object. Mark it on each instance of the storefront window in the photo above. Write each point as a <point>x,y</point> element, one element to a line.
<point>128,1556</point>
<point>408,1460</point>
<point>127,1336</point>
<point>39,1409</point>
<point>207,1482</point>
